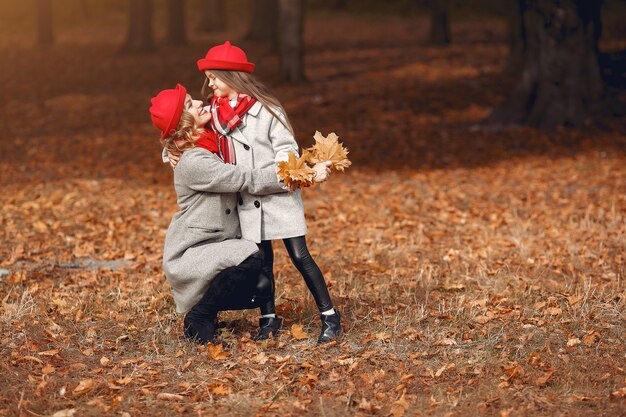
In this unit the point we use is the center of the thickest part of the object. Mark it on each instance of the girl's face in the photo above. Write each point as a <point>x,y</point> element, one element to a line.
<point>196,109</point>
<point>220,88</point>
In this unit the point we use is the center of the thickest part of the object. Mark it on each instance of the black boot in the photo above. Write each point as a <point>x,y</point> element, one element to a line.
<point>200,329</point>
<point>267,326</point>
<point>331,327</point>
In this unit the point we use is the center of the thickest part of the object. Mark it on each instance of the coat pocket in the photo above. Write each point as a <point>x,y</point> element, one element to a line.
<point>204,229</point>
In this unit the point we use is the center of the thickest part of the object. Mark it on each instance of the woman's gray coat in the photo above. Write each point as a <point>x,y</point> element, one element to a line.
<point>260,142</point>
<point>204,237</point>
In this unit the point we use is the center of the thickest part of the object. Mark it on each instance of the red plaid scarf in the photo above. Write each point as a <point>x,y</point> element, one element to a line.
<point>208,141</point>
<point>225,119</point>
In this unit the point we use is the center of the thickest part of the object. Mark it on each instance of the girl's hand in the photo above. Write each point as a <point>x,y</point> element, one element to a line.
<point>322,171</point>
<point>174,158</point>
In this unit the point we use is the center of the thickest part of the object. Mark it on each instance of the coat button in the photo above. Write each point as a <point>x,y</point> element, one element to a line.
<point>240,201</point>
<point>257,204</point>
<point>227,211</point>
<point>246,147</point>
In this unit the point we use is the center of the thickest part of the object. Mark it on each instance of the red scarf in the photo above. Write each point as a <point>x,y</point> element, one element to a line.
<point>208,141</point>
<point>225,119</point>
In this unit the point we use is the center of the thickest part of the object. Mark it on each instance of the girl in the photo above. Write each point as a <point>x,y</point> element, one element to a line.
<point>255,133</point>
<point>209,267</point>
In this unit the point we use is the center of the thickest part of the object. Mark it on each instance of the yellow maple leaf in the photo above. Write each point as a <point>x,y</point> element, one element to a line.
<point>297,332</point>
<point>84,387</point>
<point>295,173</point>
<point>219,389</point>
<point>328,148</point>
<point>216,352</point>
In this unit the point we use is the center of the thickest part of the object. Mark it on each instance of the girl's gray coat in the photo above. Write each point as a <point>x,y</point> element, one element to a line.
<point>260,142</point>
<point>204,235</point>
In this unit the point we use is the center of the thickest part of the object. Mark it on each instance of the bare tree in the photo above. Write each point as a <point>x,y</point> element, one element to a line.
<point>291,40</point>
<point>139,38</point>
<point>264,23</point>
<point>176,22</point>
<point>517,35</point>
<point>213,18</point>
<point>561,79</point>
<point>45,36</point>
<point>439,22</point>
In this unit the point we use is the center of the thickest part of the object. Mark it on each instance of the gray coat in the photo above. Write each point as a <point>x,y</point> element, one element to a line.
<point>260,142</point>
<point>204,236</point>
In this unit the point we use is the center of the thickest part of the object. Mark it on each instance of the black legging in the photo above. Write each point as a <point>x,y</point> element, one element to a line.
<point>302,260</point>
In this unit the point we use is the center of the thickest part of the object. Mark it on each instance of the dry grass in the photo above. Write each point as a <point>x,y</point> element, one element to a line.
<point>478,272</point>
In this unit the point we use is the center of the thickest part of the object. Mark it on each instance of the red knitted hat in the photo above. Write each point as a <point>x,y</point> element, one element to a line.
<point>226,57</point>
<point>166,109</point>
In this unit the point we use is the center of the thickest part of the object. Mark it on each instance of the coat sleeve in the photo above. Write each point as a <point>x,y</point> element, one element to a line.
<point>201,170</point>
<point>282,140</point>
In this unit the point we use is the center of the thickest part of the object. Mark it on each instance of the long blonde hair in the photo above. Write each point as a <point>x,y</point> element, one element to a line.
<point>185,136</point>
<point>245,83</point>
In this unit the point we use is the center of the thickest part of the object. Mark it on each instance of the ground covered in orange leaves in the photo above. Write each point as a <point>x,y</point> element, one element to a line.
<point>479,270</point>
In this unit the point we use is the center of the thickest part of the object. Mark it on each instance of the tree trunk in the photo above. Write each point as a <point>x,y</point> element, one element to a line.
<point>45,36</point>
<point>291,42</point>
<point>517,36</point>
<point>213,16</point>
<point>84,9</point>
<point>439,23</point>
<point>264,23</point>
<point>561,79</point>
<point>176,22</point>
<point>139,38</point>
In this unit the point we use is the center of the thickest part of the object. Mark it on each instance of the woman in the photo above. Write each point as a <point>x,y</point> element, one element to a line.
<point>209,267</point>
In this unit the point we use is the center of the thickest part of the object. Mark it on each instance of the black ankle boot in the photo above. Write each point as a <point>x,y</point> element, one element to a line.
<point>331,327</point>
<point>267,326</point>
<point>199,330</point>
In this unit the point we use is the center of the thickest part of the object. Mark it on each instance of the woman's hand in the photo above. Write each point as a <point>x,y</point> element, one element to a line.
<point>322,171</point>
<point>174,158</point>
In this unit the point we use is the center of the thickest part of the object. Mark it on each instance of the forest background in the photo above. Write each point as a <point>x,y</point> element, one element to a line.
<point>478,263</point>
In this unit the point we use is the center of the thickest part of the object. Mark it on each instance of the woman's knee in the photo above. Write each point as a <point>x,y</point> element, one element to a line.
<point>265,286</point>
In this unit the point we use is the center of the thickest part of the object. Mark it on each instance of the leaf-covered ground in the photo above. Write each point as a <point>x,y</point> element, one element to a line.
<point>479,271</point>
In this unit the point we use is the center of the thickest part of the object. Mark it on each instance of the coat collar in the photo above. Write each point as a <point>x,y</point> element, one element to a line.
<point>238,136</point>
<point>255,109</point>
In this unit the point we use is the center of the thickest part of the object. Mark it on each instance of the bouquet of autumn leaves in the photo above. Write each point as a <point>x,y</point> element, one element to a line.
<point>296,173</point>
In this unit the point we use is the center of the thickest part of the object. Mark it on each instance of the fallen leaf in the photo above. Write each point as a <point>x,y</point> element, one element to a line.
<point>591,338</point>
<point>48,369</point>
<point>620,393</point>
<point>169,397</point>
<point>298,333</point>
<point>219,389</point>
<point>573,342</point>
<point>445,368</point>
<point>482,319</point>
<point>83,387</point>
<point>445,342</point>
<point>543,380</point>
<point>68,412</point>
<point>217,353</point>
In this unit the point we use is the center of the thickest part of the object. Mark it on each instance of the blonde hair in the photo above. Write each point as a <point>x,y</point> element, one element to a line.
<point>245,83</point>
<point>185,136</point>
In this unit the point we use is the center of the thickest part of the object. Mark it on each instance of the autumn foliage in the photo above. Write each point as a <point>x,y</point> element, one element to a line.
<point>296,172</point>
<point>479,270</point>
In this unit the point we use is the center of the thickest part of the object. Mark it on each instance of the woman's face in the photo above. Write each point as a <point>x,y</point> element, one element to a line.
<point>220,88</point>
<point>196,109</point>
